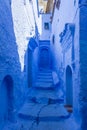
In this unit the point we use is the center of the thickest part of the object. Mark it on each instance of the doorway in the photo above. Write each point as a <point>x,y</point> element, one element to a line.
<point>69,89</point>
<point>44,58</point>
<point>6,99</point>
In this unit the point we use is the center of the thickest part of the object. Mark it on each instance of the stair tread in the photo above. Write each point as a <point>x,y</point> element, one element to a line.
<point>45,70</point>
<point>38,93</point>
<point>44,81</point>
<point>31,110</point>
<point>45,76</point>
<point>41,79</point>
<point>43,84</point>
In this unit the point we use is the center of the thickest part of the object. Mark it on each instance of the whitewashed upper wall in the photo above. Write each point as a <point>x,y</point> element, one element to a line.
<point>45,33</point>
<point>65,14</point>
<point>24,24</point>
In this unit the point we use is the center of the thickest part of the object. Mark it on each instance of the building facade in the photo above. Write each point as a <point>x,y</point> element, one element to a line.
<point>68,47</point>
<point>17,29</point>
<point>26,45</point>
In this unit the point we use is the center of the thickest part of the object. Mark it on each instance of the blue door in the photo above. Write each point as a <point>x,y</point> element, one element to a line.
<point>44,58</point>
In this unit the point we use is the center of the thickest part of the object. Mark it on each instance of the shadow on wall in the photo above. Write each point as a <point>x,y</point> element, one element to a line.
<point>31,62</point>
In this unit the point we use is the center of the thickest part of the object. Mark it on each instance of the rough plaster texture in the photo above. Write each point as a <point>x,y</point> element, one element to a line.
<point>83,64</point>
<point>68,13</point>
<point>10,64</point>
<point>24,27</point>
<point>61,16</point>
<point>15,31</point>
<point>45,33</point>
<point>14,39</point>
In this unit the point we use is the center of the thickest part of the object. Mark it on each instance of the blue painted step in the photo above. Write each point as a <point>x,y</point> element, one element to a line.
<point>44,80</point>
<point>34,111</point>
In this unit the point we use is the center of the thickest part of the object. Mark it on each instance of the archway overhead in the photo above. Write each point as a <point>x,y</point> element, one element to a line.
<point>44,58</point>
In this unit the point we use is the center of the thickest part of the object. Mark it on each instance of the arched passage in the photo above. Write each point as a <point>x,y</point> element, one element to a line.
<point>69,89</point>
<point>6,98</point>
<point>44,61</point>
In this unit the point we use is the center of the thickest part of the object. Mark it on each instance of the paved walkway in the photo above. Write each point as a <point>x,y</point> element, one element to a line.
<point>35,116</point>
<point>43,109</point>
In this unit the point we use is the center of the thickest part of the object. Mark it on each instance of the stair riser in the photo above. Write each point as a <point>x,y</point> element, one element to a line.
<point>42,82</point>
<point>45,118</point>
<point>45,76</point>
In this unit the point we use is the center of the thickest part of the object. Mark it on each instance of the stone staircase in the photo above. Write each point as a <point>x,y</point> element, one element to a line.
<point>42,95</point>
<point>44,90</point>
<point>43,108</point>
<point>44,80</point>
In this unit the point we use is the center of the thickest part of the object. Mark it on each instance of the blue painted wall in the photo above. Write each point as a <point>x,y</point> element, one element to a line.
<point>44,54</point>
<point>13,59</point>
<point>67,53</point>
<point>83,64</point>
<point>9,63</point>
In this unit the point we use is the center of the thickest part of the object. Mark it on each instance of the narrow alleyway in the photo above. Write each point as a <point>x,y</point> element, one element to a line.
<point>43,108</point>
<point>43,65</point>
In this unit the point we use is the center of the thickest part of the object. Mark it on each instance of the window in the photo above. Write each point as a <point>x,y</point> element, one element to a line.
<point>46,26</point>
